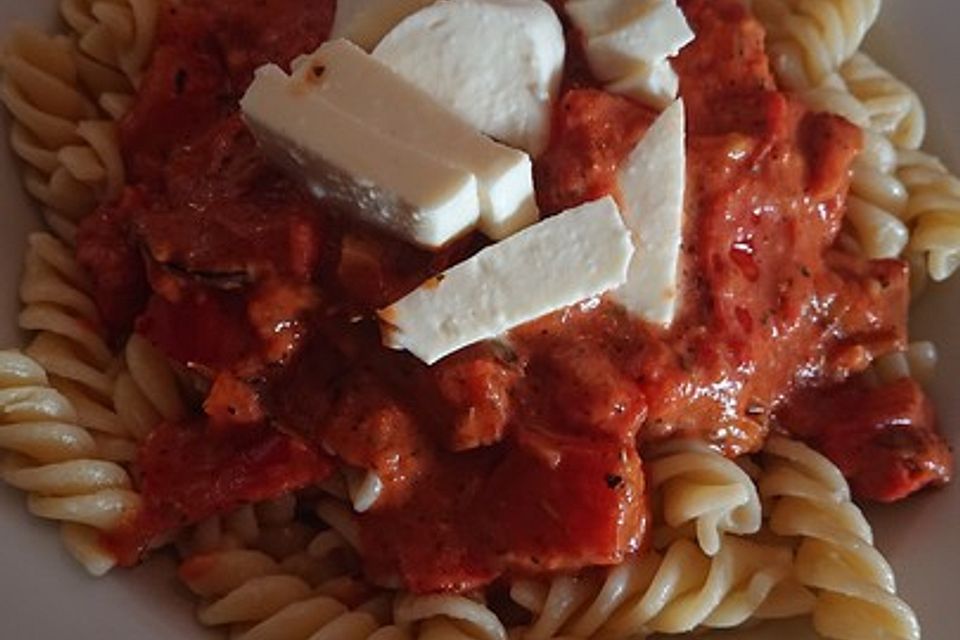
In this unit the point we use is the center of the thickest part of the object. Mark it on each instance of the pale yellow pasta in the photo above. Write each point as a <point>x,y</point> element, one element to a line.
<point>117,33</point>
<point>893,108</point>
<point>146,390</point>
<point>259,598</point>
<point>72,156</point>
<point>68,343</point>
<point>918,361</point>
<point>700,489</point>
<point>808,40</point>
<point>58,462</point>
<point>810,501</point>
<point>933,208</point>
<point>679,591</point>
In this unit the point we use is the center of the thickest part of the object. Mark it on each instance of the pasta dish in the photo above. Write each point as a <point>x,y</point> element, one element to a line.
<point>477,319</point>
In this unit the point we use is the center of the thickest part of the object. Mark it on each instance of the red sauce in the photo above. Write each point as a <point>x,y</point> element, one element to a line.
<point>520,456</point>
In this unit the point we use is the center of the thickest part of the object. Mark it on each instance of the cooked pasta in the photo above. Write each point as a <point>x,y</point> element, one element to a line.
<point>72,156</point>
<point>699,487</point>
<point>933,208</point>
<point>892,108</point>
<point>674,593</point>
<point>262,599</point>
<point>68,343</point>
<point>810,39</point>
<point>58,462</point>
<point>810,500</point>
<point>73,412</point>
<point>146,391</point>
<point>918,361</point>
<point>117,34</point>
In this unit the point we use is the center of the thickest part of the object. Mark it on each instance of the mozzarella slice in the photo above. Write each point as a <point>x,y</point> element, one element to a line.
<point>365,22</point>
<point>496,63</point>
<point>652,183</point>
<point>358,84</point>
<point>560,261</point>
<point>655,84</point>
<point>383,180</point>
<point>657,33</point>
<point>596,17</point>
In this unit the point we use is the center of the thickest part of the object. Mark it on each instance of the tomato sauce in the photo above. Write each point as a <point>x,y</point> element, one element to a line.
<point>519,455</point>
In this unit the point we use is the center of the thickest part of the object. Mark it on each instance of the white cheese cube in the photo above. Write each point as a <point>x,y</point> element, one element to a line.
<point>365,22</point>
<point>386,182</point>
<point>657,33</point>
<point>596,17</point>
<point>652,182</point>
<point>496,63</point>
<point>560,261</point>
<point>358,84</point>
<point>655,85</point>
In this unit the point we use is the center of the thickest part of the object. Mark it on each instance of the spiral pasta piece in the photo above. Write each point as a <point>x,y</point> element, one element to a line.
<point>933,208</point>
<point>72,156</point>
<point>116,34</point>
<point>69,343</point>
<point>676,592</point>
<point>699,487</point>
<point>917,361</point>
<point>146,390</point>
<point>878,198</point>
<point>810,500</point>
<point>259,598</point>
<point>58,462</point>
<point>807,40</point>
<point>893,108</point>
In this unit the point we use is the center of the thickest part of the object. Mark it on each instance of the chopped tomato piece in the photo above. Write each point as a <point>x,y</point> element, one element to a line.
<point>884,439</point>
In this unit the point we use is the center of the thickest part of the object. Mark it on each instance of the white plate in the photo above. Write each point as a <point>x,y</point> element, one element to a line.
<point>45,595</point>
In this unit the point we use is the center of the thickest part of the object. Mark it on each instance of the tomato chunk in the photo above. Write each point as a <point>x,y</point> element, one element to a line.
<point>884,439</point>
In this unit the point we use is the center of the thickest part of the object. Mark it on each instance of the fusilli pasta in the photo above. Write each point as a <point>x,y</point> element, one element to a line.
<point>933,210</point>
<point>674,593</point>
<point>700,488</point>
<point>72,156</point>
<point>58,462</point>
<point>808,40</point>
<point>810,500</point>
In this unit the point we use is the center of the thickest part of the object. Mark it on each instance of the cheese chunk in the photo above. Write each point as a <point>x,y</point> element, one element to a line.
<point>386,182</point>
<point>496,63</point>
<point>657,33</point>
<point>652,84</point>
<point>558,262</point>
<point>358,84</point>
<point>596,17</point>
<point>652,182</point>
<point>365,22</point>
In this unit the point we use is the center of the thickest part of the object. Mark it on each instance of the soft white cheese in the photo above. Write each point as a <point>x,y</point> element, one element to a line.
<point>657,33</point>
<point>596,17</point>
<point>496,63</point>
<point>652,84</point>
<point>383,180</point>
<point>560,261</point>
<point>365,22</point>
<point>358,84</point>
<point>652,182</point>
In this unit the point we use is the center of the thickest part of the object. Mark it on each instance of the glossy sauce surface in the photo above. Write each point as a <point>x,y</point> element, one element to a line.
<point>518,455</point>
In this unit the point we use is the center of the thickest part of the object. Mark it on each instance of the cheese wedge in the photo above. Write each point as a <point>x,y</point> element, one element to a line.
<point>652,182</point>
<point>562,260</point>
<point>496,63</point>
<point>654,84</point>
<point>356,83</point>
<point>379,178</point>
<point>365,22</point>
<point>596,17</point>
<point>657,33</point>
